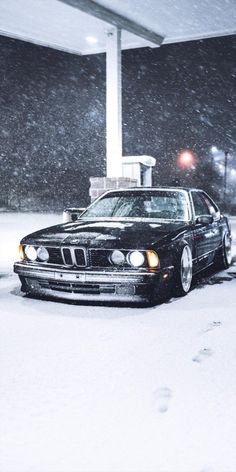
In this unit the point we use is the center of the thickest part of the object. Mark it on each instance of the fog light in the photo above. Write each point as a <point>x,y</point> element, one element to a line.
<point>117,258</point>
<point>31,253</point>
<point>42,254</point>
<point>136,258</point>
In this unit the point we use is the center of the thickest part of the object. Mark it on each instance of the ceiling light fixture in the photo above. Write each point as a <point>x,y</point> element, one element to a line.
<point>91,39</point>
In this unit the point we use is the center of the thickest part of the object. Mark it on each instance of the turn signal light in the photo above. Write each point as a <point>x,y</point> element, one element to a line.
<point>21,253</point>
<point>153,260</point>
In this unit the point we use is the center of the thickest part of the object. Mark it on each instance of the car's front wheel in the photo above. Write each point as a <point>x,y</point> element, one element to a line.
<point>183,272</point>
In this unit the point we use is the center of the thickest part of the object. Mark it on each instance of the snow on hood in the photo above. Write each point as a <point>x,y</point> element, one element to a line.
<point>106,233</point>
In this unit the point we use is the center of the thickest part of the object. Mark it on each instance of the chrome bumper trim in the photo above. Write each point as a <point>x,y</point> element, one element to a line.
<point>29,270</point>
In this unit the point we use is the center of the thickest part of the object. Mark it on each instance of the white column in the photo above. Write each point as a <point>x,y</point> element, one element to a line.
<point>113,103</point>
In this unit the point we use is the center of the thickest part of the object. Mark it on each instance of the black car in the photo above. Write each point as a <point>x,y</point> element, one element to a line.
<point>128,245</point>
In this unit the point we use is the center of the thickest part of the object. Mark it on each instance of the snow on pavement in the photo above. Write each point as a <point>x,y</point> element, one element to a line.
<point>88,388</point>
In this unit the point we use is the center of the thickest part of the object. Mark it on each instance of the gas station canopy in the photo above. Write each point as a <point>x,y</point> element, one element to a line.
<point>88,27</point>
<point>81,26</point>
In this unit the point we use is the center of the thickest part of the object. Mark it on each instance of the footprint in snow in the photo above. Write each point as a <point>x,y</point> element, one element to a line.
<point>202,355</point>
<point>162,398</point>
<point>212,325</point>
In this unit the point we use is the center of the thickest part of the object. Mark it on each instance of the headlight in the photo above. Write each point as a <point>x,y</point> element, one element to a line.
<point>31,253</point>
<point>153,260</point>
<point>136,258</point>
<point>42,254</point>
<point>117,258</point>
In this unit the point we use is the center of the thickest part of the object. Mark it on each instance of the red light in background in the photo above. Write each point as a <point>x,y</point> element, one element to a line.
<point>185,159</point>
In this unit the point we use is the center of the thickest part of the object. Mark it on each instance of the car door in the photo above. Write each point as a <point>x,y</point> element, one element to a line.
<point>216,225</point>
<point>205,234</point>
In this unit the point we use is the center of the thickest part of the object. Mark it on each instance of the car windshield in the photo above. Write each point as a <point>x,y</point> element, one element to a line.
<point>151,205</point>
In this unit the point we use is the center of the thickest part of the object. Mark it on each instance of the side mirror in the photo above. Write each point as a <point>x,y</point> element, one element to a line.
<point>204,220</point>
<point>71,214</point>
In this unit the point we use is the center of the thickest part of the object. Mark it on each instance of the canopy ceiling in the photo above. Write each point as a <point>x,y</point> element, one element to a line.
<point>70,25</point>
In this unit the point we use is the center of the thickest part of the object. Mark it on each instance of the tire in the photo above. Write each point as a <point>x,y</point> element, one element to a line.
<point>183,273</point>
<point>224,258</point>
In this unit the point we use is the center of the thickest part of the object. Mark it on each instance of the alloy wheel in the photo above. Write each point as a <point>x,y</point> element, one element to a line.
<point>227,249</point>
<point>186,269</point>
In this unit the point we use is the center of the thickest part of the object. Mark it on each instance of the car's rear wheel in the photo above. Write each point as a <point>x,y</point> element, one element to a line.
<point>224,258</point>
<point>183,273</point>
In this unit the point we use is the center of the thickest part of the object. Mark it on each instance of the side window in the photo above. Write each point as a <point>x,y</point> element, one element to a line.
<point>211,205</point>
<point>200,205</point>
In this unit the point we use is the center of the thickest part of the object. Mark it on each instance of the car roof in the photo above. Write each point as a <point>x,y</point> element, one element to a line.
<point>130,189</point>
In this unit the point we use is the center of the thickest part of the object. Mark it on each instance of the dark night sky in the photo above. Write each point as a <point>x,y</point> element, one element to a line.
<point>52,122</point>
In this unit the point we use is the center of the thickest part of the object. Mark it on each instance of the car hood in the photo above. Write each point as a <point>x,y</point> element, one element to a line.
<point>107,234</point>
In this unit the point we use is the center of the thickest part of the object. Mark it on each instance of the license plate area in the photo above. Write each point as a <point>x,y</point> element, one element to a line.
<point>69,277</point>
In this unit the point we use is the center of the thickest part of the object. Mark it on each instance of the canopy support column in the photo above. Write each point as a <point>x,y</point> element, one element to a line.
<point>114,103</point>
<point>114,172</point>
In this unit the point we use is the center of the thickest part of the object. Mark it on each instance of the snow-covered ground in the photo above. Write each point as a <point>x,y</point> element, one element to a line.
<point>87,388</point>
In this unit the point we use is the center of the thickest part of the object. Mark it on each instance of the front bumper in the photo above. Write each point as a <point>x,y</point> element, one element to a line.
<point>121,286</point>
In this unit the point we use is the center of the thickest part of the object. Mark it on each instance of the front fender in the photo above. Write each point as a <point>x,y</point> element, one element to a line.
<point>169,254</point>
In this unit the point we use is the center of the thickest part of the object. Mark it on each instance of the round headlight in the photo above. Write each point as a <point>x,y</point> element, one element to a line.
<point>31,253</point>
<point>117,257</point>
<point>42,254</point>
<point>136,258</point>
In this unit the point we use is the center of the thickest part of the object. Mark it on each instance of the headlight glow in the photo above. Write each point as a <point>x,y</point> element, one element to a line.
<point>117,257</point>
<point>136,258</point>
<point>31,253</point>
<point>42,254</point>
<point>153,259</point>
<point>21,253</point>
